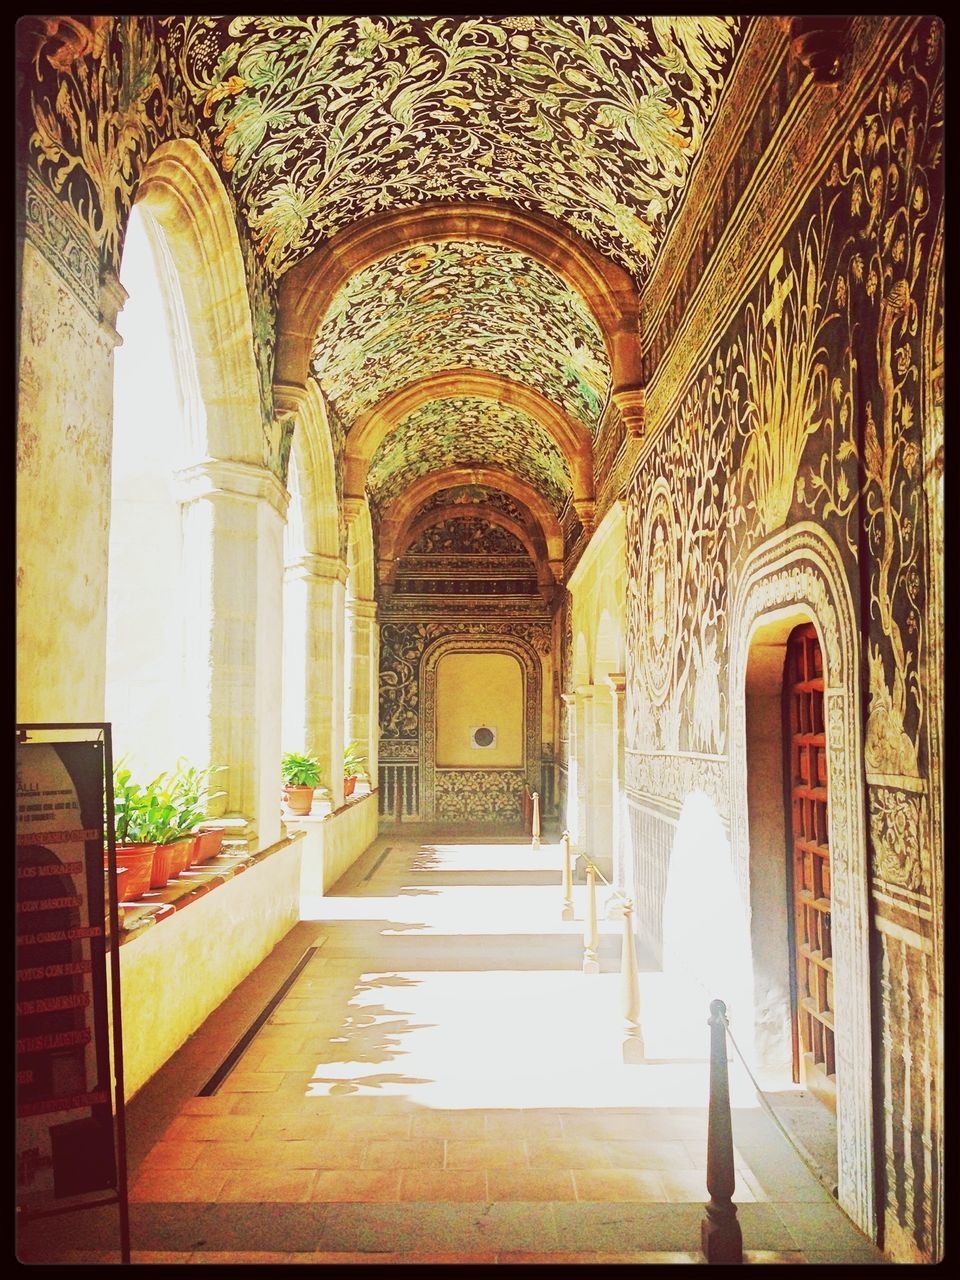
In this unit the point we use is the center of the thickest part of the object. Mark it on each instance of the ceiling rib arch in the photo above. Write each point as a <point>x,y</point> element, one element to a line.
<point>419,523</point>
<point>403,509</point>
<point>571,437</point>
<point>308,288</point>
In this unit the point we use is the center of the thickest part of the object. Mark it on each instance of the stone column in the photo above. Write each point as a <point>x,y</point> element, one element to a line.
<point>571,819</point>
<point>585,768</point>
<point>618,682</point>
<point>233,517</point>
<point>66,340</point>
<point>313,716</point>
<point>362,716</point>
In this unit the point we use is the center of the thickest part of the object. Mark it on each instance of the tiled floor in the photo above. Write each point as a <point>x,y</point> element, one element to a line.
<point>443,1083</point>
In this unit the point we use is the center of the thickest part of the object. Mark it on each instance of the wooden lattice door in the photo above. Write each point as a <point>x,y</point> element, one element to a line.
<point>810,866</point>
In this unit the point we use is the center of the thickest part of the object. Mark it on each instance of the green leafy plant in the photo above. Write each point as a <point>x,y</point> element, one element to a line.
<point>353,761</point>
<point>300,770</point>
<point>170,806</point>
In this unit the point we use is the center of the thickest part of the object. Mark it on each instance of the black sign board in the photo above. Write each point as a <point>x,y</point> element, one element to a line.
<point>66,1143</point>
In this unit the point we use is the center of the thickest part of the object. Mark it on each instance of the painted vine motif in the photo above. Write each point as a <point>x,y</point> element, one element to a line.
<point>436,306</point>
<point>96,97</point>
<point>676,580</point>
<point>320,120</point>
<point>467,431</point>
<point>468,535</point>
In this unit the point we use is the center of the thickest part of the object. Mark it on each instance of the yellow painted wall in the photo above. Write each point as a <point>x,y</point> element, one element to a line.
<point>479,689</point>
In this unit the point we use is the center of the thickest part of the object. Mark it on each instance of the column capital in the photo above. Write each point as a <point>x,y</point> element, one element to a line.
<point>617,680</point>
<point>351,507</point>
<point>288,398</point>
<point>585,692</point>
<point>220,477</point>
<point>362,609</point>
<point>569,700</point>
<point>329,568</point>
<point>632,403</point>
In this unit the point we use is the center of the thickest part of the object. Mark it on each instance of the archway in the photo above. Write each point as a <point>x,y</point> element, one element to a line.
<point>216,510</point>
<point>798,574</point>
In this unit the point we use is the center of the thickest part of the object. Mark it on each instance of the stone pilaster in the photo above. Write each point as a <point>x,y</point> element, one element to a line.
<point>362,718</point>
<point>585,767</point>
<point>618,682</point>
<point>571,819</point>
<point>233,555</point>
<point>313,714</point>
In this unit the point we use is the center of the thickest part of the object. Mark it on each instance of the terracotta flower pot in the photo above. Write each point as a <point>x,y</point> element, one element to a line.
<point>162,866</point>
<point>298,799</point>
<point>138,860</point>
<point>209,844</point>
<point>348,785</point>
<point>181,854</point>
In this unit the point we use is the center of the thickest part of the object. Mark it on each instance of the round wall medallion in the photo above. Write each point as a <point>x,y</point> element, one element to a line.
<point>658,592</point>
<point>484,737</point>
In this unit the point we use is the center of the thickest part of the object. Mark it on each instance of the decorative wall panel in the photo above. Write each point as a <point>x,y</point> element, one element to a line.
<point>479,795</point>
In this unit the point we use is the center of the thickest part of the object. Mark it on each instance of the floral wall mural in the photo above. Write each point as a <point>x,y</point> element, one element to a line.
<point>808,409</point>
<point>323,120</point>
<point>439,306</point>
<point>468,431</point>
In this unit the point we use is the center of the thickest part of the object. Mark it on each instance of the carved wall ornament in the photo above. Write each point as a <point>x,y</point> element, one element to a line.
<point>898,836</point>
<point>658,591</point>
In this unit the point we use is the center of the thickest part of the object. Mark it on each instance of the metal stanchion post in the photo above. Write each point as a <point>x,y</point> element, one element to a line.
<point>535,842</point>
<point>720,1236</point>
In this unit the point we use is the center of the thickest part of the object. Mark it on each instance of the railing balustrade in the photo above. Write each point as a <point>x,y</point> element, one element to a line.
<point>399,790</point>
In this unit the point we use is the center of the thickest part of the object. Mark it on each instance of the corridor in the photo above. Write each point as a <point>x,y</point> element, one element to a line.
<point>440,1082</point>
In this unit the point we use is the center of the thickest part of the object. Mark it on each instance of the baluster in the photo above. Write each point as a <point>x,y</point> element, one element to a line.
<point>398,779</point>
<point>590,939</point>
<point>535,842</point>
<point>567,913</point>
<point>720,1236</point>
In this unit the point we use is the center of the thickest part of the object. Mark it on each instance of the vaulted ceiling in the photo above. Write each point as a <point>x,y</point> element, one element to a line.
<point>479,199</point>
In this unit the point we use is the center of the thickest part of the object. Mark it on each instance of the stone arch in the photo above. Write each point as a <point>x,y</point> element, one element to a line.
<point>532,542</point>
<point>607,290</point>
<point>798,573</point>
<point>572,438</point>
<point>530,666</point>
<point>360,556</point>
<point>316,470</point>
<point>184,197</point>
<point>404,508</point>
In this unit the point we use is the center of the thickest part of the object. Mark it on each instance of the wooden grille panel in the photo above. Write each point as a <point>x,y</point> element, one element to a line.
<point>810,855</point>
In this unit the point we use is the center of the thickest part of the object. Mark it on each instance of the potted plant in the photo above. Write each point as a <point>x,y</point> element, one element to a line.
<point>301,774</point>
<point>353,762</point>
<point>134,849</point>
<point>191,793</point>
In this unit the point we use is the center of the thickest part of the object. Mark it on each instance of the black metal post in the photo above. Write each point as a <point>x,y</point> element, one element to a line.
<point>720,1236</point>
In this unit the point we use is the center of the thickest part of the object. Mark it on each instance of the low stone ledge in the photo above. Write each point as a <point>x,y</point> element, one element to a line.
<point>192,884</point>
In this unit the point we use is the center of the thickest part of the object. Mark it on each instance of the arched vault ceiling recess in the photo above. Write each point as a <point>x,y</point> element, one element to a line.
<point>464,431</point>
<point>320,121</point>
<point>436,306</point>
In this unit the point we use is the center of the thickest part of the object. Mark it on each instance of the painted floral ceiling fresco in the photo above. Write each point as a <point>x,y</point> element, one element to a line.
<point>319,121</point>
<point>440,306</point>
<point>466,431</point>
<point>474,495</point>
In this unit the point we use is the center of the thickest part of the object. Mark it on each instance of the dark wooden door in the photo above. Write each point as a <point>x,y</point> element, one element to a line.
<point>809,853</point>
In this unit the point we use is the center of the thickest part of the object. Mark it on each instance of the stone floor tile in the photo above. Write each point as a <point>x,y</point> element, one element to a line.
<point>545,1153</point>
<point>530,1184</point>
<point>647,1155</point>
<point>293,1127</point>
<point>252,1082</point>
<point>690,1185</point>
<point>356,1185</point>
<point>176,1185</point>
<point>642,1186</point>
<point>449,1124</point>
<point>411,1153</point>
<point>552,1259</point>
<point>818,1226</point>
<point>771,1257</point>
<point>661,1258</point>
<point>214,1105</point>
<point>844,1257</point>
<point>172,1155</point>
<point>418,1258</point>
<point>524,1124</point>
<point>218,1128</point>
<point>371,1126</point>
<point>443,1184</point>
<point>485,1154</point>
<point>289,1186</point>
